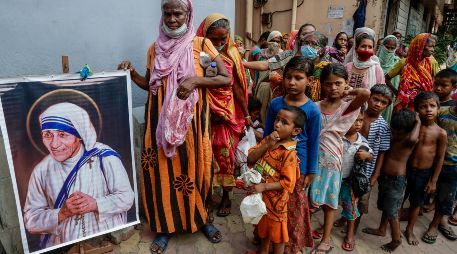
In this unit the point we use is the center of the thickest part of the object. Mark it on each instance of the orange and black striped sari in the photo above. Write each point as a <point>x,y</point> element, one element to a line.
<point>175,189</point>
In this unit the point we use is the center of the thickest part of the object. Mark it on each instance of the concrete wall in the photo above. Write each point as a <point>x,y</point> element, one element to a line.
<point>36,33</point>
<point>315,12</point>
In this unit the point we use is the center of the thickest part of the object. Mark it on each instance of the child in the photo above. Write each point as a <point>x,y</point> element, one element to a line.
<point>376,130</point>
<point>276,158</point>
<point>447,182</point>
<point>427,159</point>
<point>254,107</point>
<point>337,117</point>
<point>445,82</point>
<point>392,182</point>
<point>353,142</point>
<point>297,76</point>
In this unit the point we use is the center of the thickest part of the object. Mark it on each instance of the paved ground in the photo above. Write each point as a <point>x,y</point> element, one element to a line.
<point>238,237</point>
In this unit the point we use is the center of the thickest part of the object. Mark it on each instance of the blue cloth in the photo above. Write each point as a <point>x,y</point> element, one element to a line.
<point>359,15</point>
<point>308,139</point>
<point>59,123</point>
<point>446,189</point>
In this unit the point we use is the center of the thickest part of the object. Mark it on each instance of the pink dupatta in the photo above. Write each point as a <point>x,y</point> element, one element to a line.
<point>174,60</point>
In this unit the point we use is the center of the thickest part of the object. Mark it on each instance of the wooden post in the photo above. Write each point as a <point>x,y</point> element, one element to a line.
<point>65,64</point>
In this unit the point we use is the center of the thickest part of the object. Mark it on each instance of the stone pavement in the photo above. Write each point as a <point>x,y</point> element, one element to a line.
<point>238,236</point>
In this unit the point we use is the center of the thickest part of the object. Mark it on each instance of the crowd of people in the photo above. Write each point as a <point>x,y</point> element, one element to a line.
<point>331,122</point>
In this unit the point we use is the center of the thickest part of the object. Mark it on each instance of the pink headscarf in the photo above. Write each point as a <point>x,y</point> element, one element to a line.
<point>174,59</point>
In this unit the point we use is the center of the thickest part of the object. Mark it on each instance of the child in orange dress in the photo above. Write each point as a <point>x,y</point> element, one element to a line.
<point>276,159</point>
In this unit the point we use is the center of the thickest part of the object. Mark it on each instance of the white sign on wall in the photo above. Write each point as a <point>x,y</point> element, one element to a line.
<point>335,12</point>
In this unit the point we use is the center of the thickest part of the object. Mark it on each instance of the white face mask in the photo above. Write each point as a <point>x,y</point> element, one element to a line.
<point>220,48</point>
<point>174,33</point>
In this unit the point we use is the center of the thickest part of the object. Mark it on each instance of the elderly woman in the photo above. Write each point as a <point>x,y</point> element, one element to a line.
<point>176,159</point>
<point>388,59</point>
<point>228,105</point>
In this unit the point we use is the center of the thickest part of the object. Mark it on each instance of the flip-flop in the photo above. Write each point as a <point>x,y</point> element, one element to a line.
<point>348,246</point>
<point>161,241</point>
<point>210,231</point>
<point>224,206</point>
<point>452,221</point>
<point>430,239</point>
<point>447,232</point>
<point>316,235</point>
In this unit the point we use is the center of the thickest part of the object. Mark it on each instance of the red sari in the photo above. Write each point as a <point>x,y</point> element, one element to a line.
<point>227,117</point>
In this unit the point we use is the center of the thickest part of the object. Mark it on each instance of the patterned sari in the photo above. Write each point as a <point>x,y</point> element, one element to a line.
<point>227,118</point>
<point>417,73</point>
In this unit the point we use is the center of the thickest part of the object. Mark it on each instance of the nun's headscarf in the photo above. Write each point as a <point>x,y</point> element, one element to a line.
<point>71,119</point>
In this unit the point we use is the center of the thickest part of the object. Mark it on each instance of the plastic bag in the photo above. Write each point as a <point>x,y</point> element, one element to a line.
<point>253,208</point>
<point>250,177</point>
<point>241,153</point>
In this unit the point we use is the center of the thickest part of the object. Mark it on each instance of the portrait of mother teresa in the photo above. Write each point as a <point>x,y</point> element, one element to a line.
<point>81,187</point>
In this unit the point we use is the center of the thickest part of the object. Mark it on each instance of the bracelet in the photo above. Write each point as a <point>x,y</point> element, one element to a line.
<point>247,117</point>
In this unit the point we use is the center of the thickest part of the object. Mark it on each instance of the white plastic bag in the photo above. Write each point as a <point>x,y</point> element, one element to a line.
<point>253,208</point>
<point>241,153</point>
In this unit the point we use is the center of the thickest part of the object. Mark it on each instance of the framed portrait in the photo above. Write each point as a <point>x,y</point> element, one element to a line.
<point>69,146</point>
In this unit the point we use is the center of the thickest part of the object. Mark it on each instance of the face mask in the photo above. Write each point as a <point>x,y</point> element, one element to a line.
<point>174,33</point>
<point>364,55</point>
<point>309,52</point>
<point>220,48</point>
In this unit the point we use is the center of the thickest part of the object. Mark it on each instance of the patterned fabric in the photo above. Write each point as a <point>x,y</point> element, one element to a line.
<point>326,185</point>
<point>448,121</point>
<point>175,190</point>
<point>314,90</point>
<point>334,55</point>
<point>299,219</point>
<point>358,80</point>
<point>227,121</point>
<point>379,141</point>
<point>348,202</point>
<point>417,73</point>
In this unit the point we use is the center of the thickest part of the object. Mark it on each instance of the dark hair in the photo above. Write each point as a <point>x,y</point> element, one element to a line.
<point>449,74</point>
<point>359,39</point>
<point>396,32</point>
<point>299,63</point>
<point>424,96</point>
<point>253,104</point>
<point>338,35</point>
<point>403,120</point>
<point>264,35</point>
<point>217,24</point>
<point>300,30</point>
<point>384,90</point>
<point>336,69</point>
<point>309,24</point>
<point>300,116</point>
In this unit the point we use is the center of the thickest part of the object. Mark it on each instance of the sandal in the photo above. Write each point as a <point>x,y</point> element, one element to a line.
<point>428,238</point>
<point>224,209</point>
<point>212,233</point>
<point>316,235</point>
<point>318,250</point>
<point>210,217</point>
<point>447,232</point>
<point>348,246</point>
<point>159,245</point>
<point>452,221</point>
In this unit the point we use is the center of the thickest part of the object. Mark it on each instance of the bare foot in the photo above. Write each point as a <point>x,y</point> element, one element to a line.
<point>373,231</point>
<point>390,247</point>
<point>411,238</point>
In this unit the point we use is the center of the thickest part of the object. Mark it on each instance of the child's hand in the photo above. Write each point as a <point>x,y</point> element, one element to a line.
<point>308,180</point>
<point>431,187</point>
<point>362,155</point>
<point>258,188</point>
<point>272,139</point>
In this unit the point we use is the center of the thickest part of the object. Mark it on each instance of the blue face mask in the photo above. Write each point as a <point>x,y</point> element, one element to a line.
<point>309,52</point>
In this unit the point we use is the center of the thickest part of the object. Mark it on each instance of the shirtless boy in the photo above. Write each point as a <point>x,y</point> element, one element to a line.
<point>392,181</point>
<point>427,159</point>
